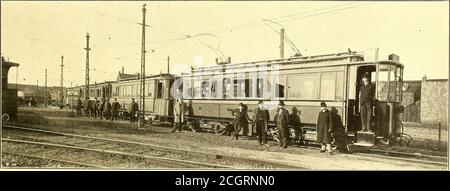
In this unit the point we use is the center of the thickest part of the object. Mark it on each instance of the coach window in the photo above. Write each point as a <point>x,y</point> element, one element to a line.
<point>227,87</point>
<point>205,89</point>
<point>213,88</point>
<point>187,88</point>
<point>160,89</point>
<point>279,84</point>
<point>150,89</point>
<point>339,86</point>
<point>327,86</point>
<point>259,87</point>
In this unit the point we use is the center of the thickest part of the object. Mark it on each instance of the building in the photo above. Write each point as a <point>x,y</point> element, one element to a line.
<point>9,94</point>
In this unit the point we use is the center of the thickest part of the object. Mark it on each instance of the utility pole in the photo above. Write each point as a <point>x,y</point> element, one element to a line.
<point>142,77</point>
<point>62,82</point>
<point>168,64</point>
<point>282,43</point>
<point>45,95</point>
<point>86,87</point>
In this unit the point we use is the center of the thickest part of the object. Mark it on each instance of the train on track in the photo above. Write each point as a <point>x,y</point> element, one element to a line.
<point>213,92</point>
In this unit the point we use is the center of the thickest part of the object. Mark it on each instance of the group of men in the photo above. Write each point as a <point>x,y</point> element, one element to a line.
<point>329,125</point>
<point>104,109</point>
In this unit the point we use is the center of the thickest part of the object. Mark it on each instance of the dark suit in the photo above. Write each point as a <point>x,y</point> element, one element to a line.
<point>115,110</point>
<point>260,120</point>
<point>324,125</point>
<point>366,99</point>
<point>241,120</point>
<point>133,110</point>
<point>296,123</point>
<point>282,121</point>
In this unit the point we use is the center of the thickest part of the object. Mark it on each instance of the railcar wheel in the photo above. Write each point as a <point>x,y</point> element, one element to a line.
<point>5,117</point>
<point>191,127</point>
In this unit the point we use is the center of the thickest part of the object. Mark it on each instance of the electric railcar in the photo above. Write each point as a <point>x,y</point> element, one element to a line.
<point>302,82</point>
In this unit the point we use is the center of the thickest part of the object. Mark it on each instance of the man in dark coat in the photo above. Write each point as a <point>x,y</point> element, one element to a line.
<point>134,108</point>
<point>260,120</point>
<point>107,109</point>
<point>366,95</point>
<point>79,106</point>
<point>92,112</point>
<point>241,120</point>
<point>115,110</point>
<point>296,123</point>
<point>338,131</point>
<point>282,121</point>
<point>94,106</point>
<point>99,106</point>
<point>324,125</point>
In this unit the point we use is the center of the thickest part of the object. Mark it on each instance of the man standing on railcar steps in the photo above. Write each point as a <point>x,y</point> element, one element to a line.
<point>179,111</point>
<point>366,95</point>
<point>241,120</point>
<point>134,108</point>
<point>260,120</point>
<point>324,125</point>
<point>282,121</point>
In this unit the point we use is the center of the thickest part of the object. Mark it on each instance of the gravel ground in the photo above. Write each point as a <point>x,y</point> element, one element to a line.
<point>248,147</point>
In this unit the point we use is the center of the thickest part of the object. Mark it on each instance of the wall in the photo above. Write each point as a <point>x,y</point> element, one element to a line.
<point>434,101</point>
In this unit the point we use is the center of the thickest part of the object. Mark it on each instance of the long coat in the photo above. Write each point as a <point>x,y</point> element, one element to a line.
<point>261,115</point>
<point>241,118</point>
<point>324,125</point>
<point>179,111</point>
<point>282,120</point>
<point>115,108</point>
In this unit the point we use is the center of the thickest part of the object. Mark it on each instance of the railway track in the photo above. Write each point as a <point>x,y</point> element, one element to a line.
<point>62,161</point>
<point>189,158</point>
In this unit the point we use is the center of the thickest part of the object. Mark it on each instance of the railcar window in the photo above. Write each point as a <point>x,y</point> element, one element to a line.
<point>328,86</point>
<point>160,89</point>
<point>187,88</point>
<point>259,87</point>
<point>205,89</point>
<point>304,86</point>
<point>150,89</point>
<point>197,88</point>
<point>249,88</point>
<point>227,88</point>
<point>339,85</point>
<point>213,88</point>
<point>279,84</point>
<point>240,87</point>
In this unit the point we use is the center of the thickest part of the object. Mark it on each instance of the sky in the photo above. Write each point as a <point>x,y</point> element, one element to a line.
<point>37,34</point>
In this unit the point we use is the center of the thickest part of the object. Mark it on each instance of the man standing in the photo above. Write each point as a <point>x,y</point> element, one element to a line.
<point>94,106</point>
<point>338,131</point>
<point>260,120</point>
<point>79,106</point>
<point>282,121</point>
<point>179,111</point>
<point>241,120</point>
<point>115,110</point>
<point>134,108</point>
<point>366,94</point>
<point>324,125</point>
<point>295,122</point>
<point>107,109</point>
<point>99,108</point>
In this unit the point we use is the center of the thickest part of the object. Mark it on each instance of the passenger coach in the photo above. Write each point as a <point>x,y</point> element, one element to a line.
<point>301,82</point>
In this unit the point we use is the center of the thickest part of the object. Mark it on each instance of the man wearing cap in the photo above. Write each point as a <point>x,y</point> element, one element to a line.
<point>260,120</point>
<point>324,125</point>
<point>282,121</point>
<point>241,120</point>
<point>366,94</point>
